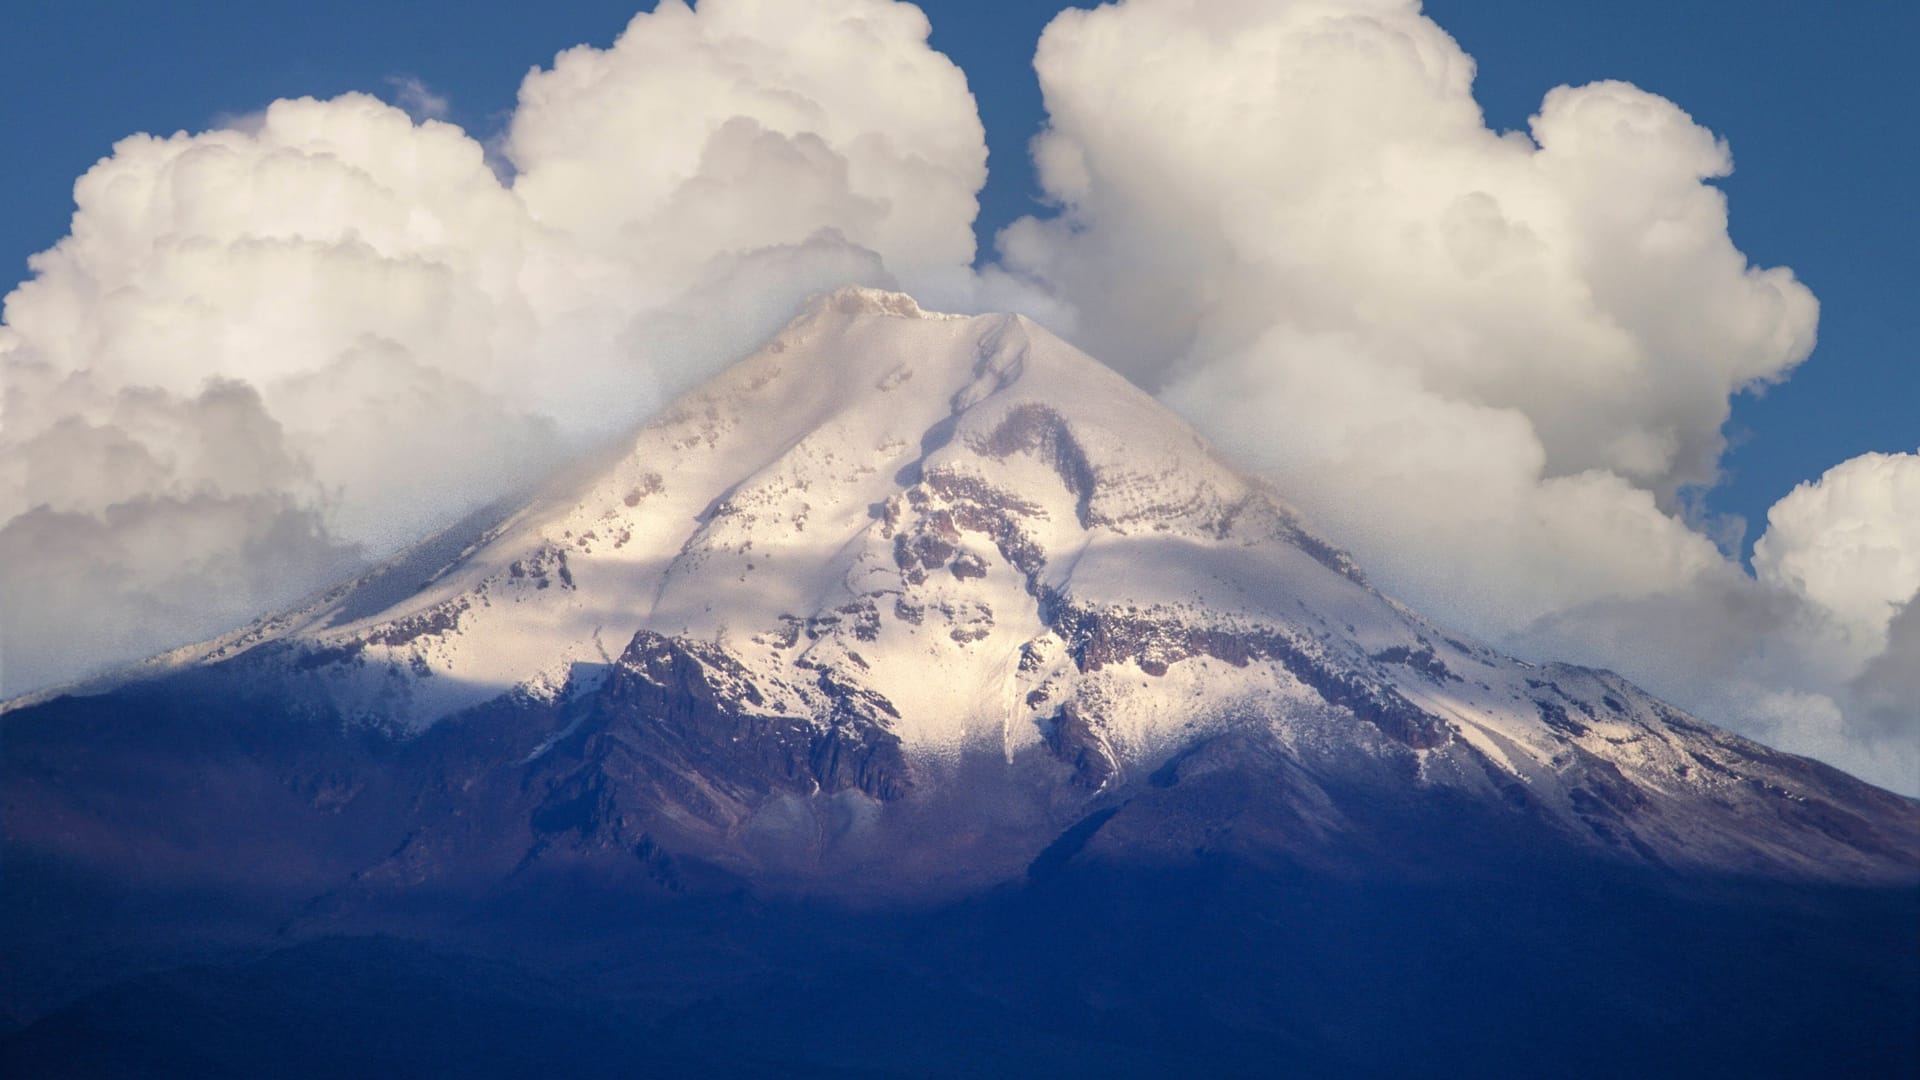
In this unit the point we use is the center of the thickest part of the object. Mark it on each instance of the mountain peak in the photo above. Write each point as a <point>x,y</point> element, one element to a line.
<point>863,300</point>
<point>824,473</point>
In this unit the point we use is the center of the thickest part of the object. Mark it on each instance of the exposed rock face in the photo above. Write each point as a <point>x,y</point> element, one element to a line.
<point>1076,739</point>
<point>1099,638</point>
<point>706,703</point>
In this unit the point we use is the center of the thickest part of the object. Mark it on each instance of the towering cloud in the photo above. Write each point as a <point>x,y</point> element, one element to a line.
<point>1502,353</point>
<point>754,123</point>
<point>264,351</point>
<point>1494,364</point>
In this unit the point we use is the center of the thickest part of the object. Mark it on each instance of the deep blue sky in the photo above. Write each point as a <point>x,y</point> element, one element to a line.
<point>1818,100</point>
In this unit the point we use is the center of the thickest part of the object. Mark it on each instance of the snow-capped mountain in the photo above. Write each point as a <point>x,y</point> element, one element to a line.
<point>892,538</point>
<point>903,605</point>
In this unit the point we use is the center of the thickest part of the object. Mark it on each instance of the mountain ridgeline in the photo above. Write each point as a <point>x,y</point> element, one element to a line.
<point>918,697</point>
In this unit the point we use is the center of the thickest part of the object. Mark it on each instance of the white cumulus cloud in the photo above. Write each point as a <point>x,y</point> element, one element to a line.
<point>317,334</point>
<point>1502,353</point>
<point>1850,543</point>
<point>1495,365</point>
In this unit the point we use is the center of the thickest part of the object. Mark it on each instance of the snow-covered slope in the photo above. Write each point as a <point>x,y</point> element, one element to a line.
<point>962,535</point>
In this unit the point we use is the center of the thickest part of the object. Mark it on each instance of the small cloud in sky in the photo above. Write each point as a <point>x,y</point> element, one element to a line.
<point>417,98</point>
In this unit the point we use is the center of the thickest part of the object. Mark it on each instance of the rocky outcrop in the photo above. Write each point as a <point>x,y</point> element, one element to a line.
<point>711,710</point>
<point>1074,737</point>
<point>1097,637</point>
<point>1038,430</point>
